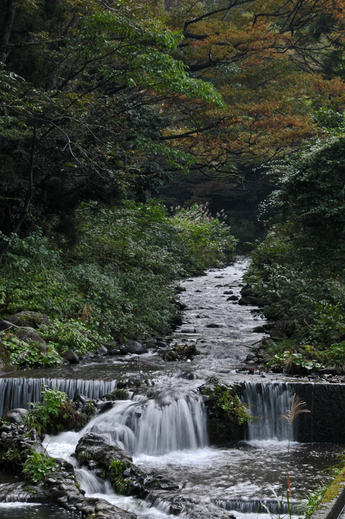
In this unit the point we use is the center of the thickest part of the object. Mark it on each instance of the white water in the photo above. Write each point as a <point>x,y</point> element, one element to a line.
<point>166,431</point>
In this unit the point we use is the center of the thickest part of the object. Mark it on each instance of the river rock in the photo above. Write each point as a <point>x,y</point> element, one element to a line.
<point>100,449</point>
<point>71,357</point>
<point>135,347</point>
<point>102,350</point>
<point>248,301</point>
<point>16,415</point>
<point>30,335</point>
<point>28,318</point>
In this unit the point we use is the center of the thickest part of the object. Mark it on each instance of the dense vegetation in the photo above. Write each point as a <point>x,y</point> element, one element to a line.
<point>115,280</point>
<point>299,265</point>
<point>102,103</point>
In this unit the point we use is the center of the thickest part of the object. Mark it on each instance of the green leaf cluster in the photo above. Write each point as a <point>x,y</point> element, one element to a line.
<point>38,465</point>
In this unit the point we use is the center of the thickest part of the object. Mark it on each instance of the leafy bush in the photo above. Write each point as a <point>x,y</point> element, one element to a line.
<point>55,413</point>
<point>73,334</point>
<point>38,465</point>
<point>30,354</point>
<point>209,241</point>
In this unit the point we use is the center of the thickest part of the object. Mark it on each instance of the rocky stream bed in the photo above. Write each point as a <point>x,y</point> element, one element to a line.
<point>171,455</point>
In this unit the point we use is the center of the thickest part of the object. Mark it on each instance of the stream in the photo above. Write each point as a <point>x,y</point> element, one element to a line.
<point>164,427</point>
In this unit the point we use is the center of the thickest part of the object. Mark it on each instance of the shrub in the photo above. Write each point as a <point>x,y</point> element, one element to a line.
<point>38,465</point>
<point>55,413</point>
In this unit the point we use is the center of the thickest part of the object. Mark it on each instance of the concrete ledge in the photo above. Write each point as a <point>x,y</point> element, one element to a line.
<point>333,501</point>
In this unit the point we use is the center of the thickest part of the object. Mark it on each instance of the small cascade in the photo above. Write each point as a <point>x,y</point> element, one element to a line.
<point>19,392</point>
<point>15,493</point>
<point>268,403</point>
<point>259,506</point>
<point>165,422</point>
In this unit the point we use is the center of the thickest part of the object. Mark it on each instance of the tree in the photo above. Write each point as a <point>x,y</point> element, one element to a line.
<point>266,59</point>
<point>77,109</point>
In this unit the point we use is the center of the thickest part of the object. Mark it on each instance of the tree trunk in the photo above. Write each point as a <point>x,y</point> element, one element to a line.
<point>7,27</point>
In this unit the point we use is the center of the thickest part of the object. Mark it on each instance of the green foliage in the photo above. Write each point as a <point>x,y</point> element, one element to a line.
<point>300,263</point>
<point>115,474</point>
<point>115,278</point>
<point>71,334</point>
<point>38,465</point>
<point>208,240</point>
<point>54,414</point>
<point>30,353</point>
<point>226,402</point>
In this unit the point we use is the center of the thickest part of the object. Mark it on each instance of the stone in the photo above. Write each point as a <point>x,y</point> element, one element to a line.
<point>248,301</point>
<point>216,325</point>
<point>30,335</point>
<point>28,318</point>
<point>135,347</point>
<point>16,416</point>
<point>71,357</point>
<point>232,298</point>
<point>102,350</point>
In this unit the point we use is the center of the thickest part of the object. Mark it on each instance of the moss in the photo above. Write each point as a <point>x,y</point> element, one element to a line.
<point>335,488</point>
<point>226,413</point>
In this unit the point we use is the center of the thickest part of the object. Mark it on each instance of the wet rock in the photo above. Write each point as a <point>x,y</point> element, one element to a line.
<point>248,301</point>
<point>135,347</point>
<point>259,329</point>
<point>104,406</point>
<point>188,329</point>
<point>71,357</point>
<point>102,350</point>
<point>216,325</point>
<point>233,298</point>
<point>247,291</point>
<point>228,292</point>
<point>16,416</point>
<point>96,447</point>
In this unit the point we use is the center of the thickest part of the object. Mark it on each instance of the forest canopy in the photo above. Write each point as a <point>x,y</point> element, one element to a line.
<point>103,100</point>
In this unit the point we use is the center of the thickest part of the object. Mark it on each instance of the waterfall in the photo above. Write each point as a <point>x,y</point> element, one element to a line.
<point>166,422</point>
<point>19,392</point>
<point>268,403</point>
<point>257,506</point>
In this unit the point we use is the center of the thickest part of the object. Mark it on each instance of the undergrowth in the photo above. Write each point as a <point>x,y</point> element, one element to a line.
<point>113,279</point>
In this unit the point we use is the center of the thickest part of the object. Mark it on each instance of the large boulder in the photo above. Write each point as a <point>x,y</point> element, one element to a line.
<point>28,334</point>
<point>135,347</point>
<point>100,449</point>
<point>28,318</point>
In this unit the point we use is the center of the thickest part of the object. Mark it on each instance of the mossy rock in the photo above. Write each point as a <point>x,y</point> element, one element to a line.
<point>226,413</point>
<point>29,318</point>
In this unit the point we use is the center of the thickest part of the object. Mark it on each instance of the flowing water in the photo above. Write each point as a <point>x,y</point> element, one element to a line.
<point>164,427</point>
